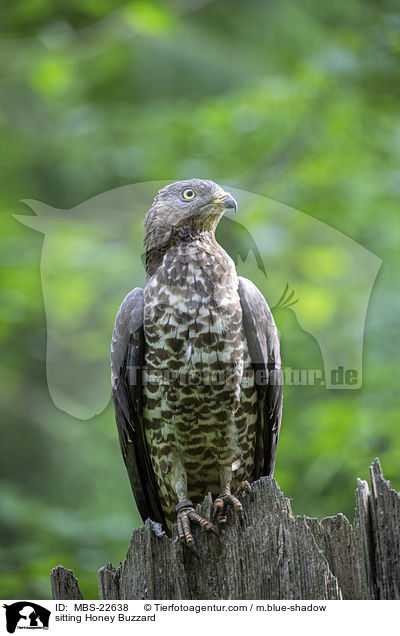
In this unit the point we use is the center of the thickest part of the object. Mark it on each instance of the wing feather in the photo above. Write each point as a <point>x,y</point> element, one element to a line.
<point>263,343</point>
<point>127,358</point>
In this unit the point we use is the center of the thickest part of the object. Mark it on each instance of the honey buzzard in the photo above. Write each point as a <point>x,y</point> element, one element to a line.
<point>196,370</point>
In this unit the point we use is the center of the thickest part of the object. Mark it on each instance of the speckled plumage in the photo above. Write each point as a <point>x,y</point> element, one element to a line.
<point>193,326</point>
<point>194,420</point>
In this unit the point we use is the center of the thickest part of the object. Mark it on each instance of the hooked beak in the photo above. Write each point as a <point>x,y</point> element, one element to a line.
<point>227,201</point>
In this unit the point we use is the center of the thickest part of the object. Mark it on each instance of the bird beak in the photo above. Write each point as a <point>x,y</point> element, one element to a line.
<point>227,201</point>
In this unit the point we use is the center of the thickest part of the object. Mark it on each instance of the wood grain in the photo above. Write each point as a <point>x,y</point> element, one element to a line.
<point>270,555</point>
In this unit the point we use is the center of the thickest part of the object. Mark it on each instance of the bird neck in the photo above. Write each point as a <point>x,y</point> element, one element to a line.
<point>156,249</point>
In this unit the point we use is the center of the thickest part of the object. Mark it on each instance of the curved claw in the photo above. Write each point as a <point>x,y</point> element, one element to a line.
<point>221,506</point>
<point>219,511</point>
<point>244,488</point>
<point>214,530</point>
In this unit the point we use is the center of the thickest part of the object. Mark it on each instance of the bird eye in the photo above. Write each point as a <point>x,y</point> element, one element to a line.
<point>188,194</point>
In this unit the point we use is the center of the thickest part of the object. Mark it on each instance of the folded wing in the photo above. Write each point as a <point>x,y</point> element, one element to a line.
<point>263,343</point>
<point>127,358</point>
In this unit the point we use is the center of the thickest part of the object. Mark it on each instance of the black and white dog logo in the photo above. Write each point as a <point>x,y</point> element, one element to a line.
<point>26,615</point>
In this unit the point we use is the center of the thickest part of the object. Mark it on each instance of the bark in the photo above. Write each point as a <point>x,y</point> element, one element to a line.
<point>270,555</point>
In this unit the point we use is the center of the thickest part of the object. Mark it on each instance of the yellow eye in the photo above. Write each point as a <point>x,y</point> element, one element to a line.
<point>188,194</point>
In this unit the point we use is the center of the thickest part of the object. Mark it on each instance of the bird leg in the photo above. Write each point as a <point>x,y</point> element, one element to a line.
<point>185,509</point>
<point>186,514</point>
<point>226,498</point>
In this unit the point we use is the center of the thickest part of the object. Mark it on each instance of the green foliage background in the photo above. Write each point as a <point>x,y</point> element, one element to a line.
<point>298,101</point>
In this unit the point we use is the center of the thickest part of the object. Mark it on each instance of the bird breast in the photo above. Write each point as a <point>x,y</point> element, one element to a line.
<point>192,311</point>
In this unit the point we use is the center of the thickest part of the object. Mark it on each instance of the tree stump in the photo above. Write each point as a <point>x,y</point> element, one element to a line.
<point>271,555</point>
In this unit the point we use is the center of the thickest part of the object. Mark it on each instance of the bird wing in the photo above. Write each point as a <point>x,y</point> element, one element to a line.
<point>263,343</point>
<point>127,358</point>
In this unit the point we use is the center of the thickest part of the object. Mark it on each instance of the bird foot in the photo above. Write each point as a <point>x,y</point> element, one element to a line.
<point>186,514</point>
<point>244,488</point>
<point>221,507</point>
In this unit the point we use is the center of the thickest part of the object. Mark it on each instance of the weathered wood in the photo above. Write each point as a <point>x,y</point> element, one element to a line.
<point>385,517</point>
<point>64,585</point>
<point>335,538</point>
<point>271,555</point>
<point>365,555</point>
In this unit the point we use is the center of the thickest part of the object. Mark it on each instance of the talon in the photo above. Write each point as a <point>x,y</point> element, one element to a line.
<point>220,516</point>
<point>219,512</point>
<point>214,531</point>
<point>234,501</point>
<point>221,506</point>
<point>244,489</point>
<point>219,503</point>
<point>181,533</point>
<point>186,514</point>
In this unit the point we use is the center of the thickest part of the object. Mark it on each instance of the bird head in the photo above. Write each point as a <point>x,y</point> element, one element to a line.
<point>190,206</point>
